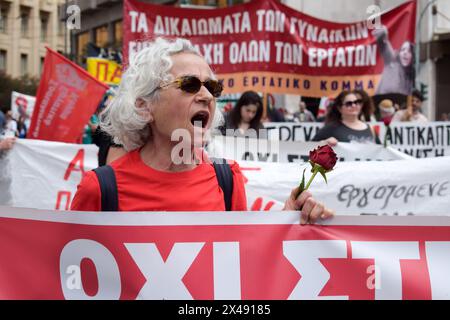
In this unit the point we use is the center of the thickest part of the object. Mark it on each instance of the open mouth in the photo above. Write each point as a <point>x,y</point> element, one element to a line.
<point>200,119</point>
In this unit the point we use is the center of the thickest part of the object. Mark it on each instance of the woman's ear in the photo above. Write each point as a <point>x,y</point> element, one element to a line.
<point>144,109</point>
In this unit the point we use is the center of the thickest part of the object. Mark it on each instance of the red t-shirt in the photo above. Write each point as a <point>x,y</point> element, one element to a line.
<point>142,188</point>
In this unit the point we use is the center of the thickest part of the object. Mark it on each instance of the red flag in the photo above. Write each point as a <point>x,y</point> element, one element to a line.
<point>66,99</point>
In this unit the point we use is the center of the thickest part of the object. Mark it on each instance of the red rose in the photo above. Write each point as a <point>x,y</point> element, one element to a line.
<point>323,156</point>
<point>323,159</point>
<point>387,120</point>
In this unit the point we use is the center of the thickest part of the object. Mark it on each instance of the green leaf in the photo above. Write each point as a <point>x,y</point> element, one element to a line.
<point>323,172</point>
<point>302,184</point>
<point>312,165</point>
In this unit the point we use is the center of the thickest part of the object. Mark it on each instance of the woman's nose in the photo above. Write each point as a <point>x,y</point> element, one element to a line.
<point>203,95</point>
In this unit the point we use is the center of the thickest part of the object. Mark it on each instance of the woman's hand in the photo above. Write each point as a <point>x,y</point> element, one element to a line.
<point>332,141</point>
<point>380,33</point>
<point>311,210</point>
<point>7,143</point>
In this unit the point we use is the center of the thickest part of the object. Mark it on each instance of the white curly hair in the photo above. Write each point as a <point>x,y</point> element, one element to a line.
<point>149,68</point>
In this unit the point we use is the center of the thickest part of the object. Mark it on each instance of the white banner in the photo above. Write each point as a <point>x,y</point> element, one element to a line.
<point>295,151</point>
<point>22,105</point>
<point>400,187</point>
<point>45,174</point>
<point>420,140</point>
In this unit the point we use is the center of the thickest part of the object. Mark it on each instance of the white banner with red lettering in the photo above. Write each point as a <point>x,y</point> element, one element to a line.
<point>44,175</point>
<point>220,255</point>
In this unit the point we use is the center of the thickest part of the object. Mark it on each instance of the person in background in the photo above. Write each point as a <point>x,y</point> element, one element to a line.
<point>108,150</point>
<point>368,106</point>
<point>22,127</point>
<point>10,125</point>
<point>343,122</point>
<point>413,112</point>
<point>387,109</point>
<point>398,73</point>
<point>2,122</point>
<point>167,87</point>
<point>245,117</point>
<point>303,115</point>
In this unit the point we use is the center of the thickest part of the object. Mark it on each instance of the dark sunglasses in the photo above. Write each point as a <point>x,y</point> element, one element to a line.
<point>192,84</point>
<point>348,104</point>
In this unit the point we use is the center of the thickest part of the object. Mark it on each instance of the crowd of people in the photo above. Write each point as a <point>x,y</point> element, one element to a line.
<point>168,87</point>
<point>349,116</point>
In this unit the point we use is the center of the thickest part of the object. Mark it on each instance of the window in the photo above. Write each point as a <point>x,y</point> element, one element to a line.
<point>82,41</point>
<point>42,64</point>
<point>23,64</point>
<point>101,36</point>
<point>24,21</point>
<point>4,18</point>
<point>118,32</point>
<point>44,25</point>
<point>2,60</point>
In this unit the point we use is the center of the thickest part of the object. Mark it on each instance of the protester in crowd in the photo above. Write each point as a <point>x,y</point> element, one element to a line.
<point>89,130</point>
<point>108,151</point>
<point>343,122</point>
<point>244,120</point>
<point>22,127</point>
<point>398,73</point>
<point>10,125</point>
<point>368,106</point>
<point>169,89</point>
<point>413,112</point>
<point>387,109</point>
<point>303,115</point>
<point>2,122</point>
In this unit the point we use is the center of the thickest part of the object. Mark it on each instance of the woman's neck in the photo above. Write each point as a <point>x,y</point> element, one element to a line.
<point>244,125</point>
<point>350,119</point>
<point>353,122</point>
<point>162,156</point>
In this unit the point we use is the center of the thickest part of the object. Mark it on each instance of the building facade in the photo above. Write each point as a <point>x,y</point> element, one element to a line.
<point>26,28</point>
<point>101,21</point>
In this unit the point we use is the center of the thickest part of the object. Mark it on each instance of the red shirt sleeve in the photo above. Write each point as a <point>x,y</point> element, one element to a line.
<point>87,197</point>
<point>239,198</point>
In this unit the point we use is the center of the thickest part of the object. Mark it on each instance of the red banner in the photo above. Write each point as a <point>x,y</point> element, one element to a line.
<point>66,99</point>
<point>54,255</point>
<point>269,47</point>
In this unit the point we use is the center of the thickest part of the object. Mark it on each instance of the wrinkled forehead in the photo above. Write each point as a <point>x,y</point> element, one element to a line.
<point>187,63</point>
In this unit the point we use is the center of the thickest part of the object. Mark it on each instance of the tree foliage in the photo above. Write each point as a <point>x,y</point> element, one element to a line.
<point>25,84</point>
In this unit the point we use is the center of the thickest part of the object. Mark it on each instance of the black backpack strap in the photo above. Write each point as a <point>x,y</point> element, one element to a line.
<point>225,179</point>
<point>108,188</point>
